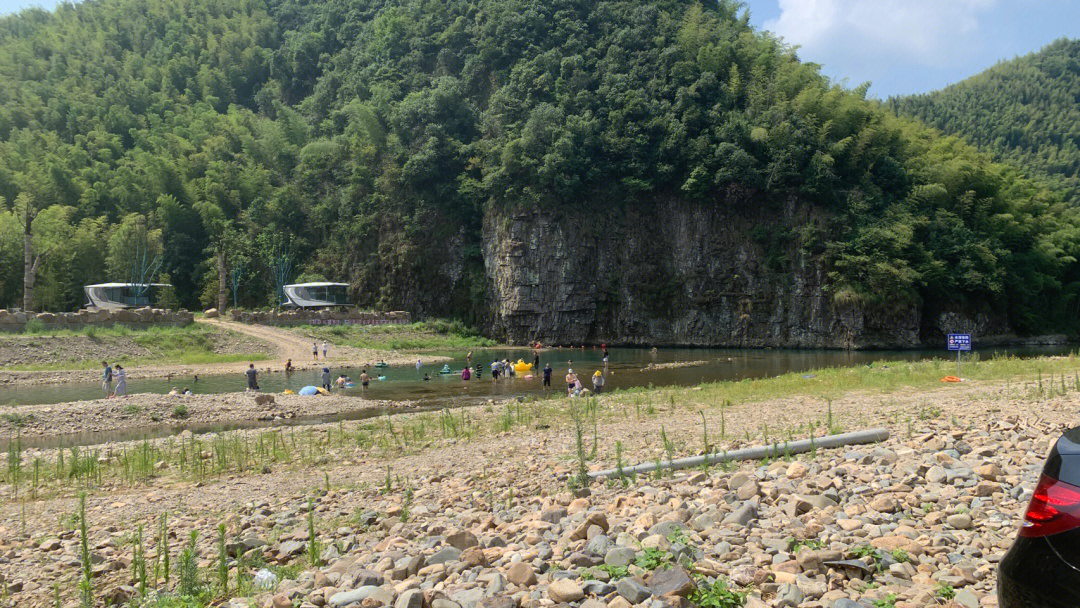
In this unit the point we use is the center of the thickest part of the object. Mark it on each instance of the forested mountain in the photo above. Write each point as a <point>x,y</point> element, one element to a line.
<point>1026,111</point>
<point>481,158</point>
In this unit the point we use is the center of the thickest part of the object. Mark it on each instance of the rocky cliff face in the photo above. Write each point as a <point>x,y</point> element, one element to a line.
<point>739,274</point>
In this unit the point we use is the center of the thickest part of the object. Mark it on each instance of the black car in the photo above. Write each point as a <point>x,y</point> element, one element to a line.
<point>1042,569</point>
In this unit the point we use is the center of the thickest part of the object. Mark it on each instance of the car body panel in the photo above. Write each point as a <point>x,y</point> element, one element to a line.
<point>1044,571</point>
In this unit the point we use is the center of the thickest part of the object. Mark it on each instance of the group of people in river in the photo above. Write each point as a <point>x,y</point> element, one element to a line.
<point>111,373</point>
<point>500,369</point>
<point>507,369</point>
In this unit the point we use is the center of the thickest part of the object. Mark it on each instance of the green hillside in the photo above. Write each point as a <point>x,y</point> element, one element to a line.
<point>1026,110</point>
<point>369,139</point>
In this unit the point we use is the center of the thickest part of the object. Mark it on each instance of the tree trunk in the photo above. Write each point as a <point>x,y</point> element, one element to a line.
<point>222,280</point>
<point>29,270</point>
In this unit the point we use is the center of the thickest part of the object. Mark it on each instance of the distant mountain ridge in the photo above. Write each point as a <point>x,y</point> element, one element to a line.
<point>1026,110</point>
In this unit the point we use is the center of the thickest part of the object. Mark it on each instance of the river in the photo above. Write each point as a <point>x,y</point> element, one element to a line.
<point>626,368</point>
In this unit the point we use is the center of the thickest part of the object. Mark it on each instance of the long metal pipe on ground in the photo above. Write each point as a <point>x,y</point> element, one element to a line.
<point>778,450</point>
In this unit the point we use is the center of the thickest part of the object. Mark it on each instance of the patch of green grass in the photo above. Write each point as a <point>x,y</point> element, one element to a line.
<point>16,419</point>
<point>652,558</point>
<point>422,335</point>
<point>945,592</point>
<point>831,383</point>
<point>794,546</point>
<point>614,572</point>
<point>192,344</point>
<point>716,595</point>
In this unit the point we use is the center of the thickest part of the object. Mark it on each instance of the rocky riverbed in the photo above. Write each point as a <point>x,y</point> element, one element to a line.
<point>493,520</point>
<point>147,411</point>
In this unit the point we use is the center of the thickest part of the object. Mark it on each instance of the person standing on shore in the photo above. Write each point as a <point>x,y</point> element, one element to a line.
<point>325,347</point>
<point>106,380</point>
<point>121,382</point>
<point>252,378</point>
<point>314,351</point>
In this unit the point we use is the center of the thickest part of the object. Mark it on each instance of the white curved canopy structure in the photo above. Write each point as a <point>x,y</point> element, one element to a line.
<point>317,295</point>
<point>121,295</point>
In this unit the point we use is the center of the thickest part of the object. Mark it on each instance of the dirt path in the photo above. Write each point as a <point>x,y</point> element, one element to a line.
<point>287,344</point>
<point>296,346</point>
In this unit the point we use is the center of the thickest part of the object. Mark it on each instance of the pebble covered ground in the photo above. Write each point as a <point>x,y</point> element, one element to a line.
<point>145,411</point>
<point>496,520</point>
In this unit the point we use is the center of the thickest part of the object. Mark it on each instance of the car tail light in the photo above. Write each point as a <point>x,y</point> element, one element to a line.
<point>1054,508</point>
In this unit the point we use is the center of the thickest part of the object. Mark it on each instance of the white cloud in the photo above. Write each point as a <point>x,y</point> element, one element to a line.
<point>928,32</point>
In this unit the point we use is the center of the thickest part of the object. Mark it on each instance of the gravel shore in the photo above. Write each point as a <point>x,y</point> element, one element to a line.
<point>147,411</point>
<point>494,520</point>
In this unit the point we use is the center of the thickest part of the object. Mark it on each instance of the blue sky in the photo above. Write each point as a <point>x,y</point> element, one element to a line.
<point>899,46</point>
<point>914,46</point>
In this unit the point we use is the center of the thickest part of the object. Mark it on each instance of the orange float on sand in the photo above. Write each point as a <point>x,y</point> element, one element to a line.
<point>951,379</point>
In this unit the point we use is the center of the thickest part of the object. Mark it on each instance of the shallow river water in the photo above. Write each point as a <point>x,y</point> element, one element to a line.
<point>626,368</point>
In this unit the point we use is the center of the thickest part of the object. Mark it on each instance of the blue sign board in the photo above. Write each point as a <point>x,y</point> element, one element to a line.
<point>959,341</point>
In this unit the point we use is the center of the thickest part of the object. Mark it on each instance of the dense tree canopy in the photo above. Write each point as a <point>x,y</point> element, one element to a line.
<point>357,135</point>
<point>1026,110</point>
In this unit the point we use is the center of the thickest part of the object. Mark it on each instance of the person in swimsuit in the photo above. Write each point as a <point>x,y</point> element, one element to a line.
<point>364,379</point>
<point>571,382</point>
